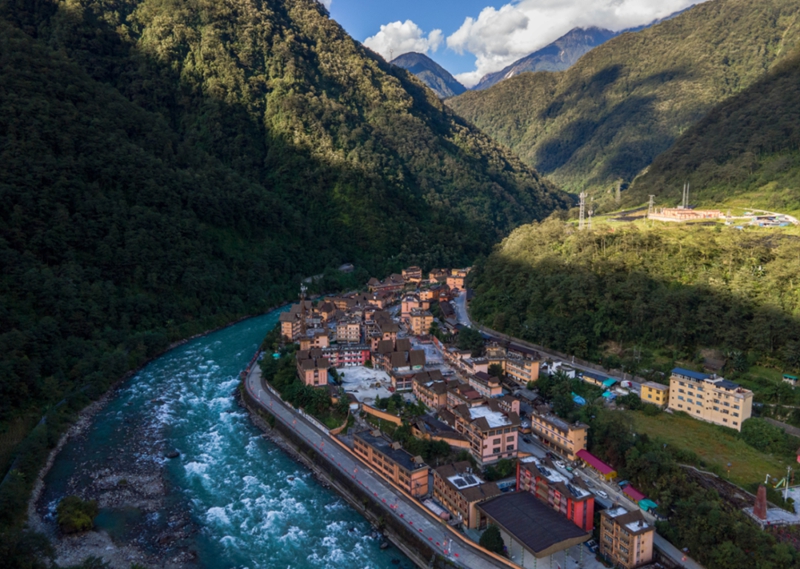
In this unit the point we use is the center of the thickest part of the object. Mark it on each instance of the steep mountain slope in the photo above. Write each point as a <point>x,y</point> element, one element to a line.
<point>431,73</point>
<point>170,167</point>
<point>606,118</point>
<point>747,147</point>
<point>558,56</point>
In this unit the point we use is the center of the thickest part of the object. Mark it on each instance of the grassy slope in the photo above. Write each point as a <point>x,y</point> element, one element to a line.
<point>745,152</point>
<point>625,102</point>
<point>713,444</point>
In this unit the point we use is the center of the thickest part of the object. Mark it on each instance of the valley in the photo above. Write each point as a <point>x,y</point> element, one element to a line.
<point>517,343</point>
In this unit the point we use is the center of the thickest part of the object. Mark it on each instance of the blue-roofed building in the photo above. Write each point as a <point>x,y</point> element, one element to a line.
<point>710,398</point>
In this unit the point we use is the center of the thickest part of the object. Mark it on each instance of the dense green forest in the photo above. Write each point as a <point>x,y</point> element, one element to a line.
<point>747,147</point>
<point>604,120</point>
<point>670,291</point>
<point>435,77</point>
<point>169,167</point>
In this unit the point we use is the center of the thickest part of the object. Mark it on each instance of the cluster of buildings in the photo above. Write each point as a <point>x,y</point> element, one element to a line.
<point>549,512</point>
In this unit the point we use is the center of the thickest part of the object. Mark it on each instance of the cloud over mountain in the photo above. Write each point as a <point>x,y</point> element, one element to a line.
<point>498,37</point>
<point>397,38</point>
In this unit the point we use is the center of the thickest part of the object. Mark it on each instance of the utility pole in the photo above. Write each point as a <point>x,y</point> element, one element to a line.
<point>583,210</point>
<point>650,206</point>
<point>619,191</point>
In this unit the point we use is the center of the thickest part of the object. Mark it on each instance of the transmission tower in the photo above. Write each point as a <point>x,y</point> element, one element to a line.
<point>583,210</point>
<point>650,206</point>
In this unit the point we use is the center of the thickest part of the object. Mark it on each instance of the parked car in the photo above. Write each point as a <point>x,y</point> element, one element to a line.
<point>527,440</point>
<point>623,484</point>
<point>559,464</point>
<point>592,545</point>
<point>601,493</point>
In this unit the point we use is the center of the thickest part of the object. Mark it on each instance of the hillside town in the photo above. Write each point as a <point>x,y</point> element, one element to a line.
<point>505,458</point>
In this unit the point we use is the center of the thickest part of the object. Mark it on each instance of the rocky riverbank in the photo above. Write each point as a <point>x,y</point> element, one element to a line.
<point>139,522</point>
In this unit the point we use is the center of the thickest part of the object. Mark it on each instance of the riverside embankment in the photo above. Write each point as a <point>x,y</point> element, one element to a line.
<point>415,528</point>
<point>231,499</point>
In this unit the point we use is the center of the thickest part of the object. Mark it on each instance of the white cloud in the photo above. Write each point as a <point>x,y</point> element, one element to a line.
<point>498,38</point>
<point>398,38</point>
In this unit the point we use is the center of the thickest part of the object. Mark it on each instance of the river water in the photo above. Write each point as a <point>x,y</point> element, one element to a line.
<point>237,486</point>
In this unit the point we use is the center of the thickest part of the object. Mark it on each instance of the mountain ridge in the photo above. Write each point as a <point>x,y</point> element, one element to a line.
<point>600,123</point>
<point>436,77</point>
<point>557,56</point>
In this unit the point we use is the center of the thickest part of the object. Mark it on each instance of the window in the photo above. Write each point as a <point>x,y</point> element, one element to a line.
<point>724,420</point>
<point>735,406</point>
<point>680,397</point>
<point>496,450</point>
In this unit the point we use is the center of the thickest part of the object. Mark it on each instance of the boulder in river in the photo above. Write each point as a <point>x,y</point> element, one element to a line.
<point>173,454</point>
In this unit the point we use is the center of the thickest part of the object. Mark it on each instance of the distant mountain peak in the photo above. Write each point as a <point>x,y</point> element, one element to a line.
<point>436,77</point>
<point>557,56</point>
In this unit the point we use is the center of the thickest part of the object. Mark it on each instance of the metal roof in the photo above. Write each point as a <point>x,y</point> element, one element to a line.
<point>538,527</point>
<point>689,373</point>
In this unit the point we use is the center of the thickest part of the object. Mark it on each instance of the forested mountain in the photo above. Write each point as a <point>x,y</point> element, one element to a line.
<point>671,291</point>
<point>169,167</point>
<point>558,56</point>
<point>746,147</point>
<point>431,73</point>
<point>606,118</point>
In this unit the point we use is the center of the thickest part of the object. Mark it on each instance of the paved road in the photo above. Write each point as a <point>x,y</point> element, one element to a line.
<point>458,551</point>
<point>461,309</point>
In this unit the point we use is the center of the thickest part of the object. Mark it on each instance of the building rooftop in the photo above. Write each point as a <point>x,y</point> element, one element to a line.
<point>386,448</point>
<point>654,385</point>
<point>493,418</point>
<point>594,462</point>
<point>537,526</point>
<point>696,375</point>
<point>634,522</point>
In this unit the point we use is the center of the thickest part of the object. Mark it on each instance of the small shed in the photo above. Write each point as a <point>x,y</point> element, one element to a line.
<point>633,494</point>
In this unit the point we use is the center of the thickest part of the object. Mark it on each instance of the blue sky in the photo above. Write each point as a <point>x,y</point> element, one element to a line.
<point>473,37</point>
<point>363,18</point>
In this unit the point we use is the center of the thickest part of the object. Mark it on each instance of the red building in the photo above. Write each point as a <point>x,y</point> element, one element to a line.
<point>555,490</point>
<point>347,355</point>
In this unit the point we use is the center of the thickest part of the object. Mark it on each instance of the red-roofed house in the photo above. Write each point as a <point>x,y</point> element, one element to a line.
<point>633,493</point>
<point>591,460</point>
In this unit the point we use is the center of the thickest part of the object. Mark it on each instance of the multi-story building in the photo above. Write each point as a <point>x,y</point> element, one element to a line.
<point>557,433</point>
<point>460,490</point>
<point>317,338</point>
<point>393,283</point>
<point>626,539</point>
<point>456,278</point>
<point>408,303</point>
<point>520,368</point>
<point>491,432</point>
<point>508,404</point>
<point>348,331</point>
<point>430,388</point>
<point>710,398</point>
<point>312,367</point>
<point>347,355</point>
<point>655,393</point>
<point>412,275</point>
<point>420,321</point>
<point>555,490</point>
<point>462,394</point>
<point>391,461</point>
<point>438,275</point>
<point>488,386</point>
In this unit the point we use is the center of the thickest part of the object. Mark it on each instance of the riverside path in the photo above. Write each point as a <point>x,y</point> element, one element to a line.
<point>441,538</point>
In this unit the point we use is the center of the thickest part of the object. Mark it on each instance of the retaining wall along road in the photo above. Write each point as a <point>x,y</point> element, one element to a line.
<point>414,546</point>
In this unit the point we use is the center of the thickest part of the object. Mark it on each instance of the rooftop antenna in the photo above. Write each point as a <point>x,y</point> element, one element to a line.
<point>583,210</point>
<point>650,206</point>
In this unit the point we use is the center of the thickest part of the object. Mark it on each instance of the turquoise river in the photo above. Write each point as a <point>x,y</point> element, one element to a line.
<point>252,504</point>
